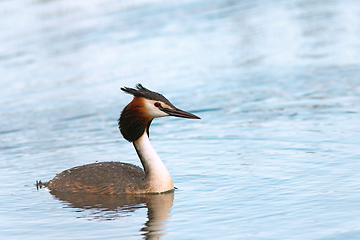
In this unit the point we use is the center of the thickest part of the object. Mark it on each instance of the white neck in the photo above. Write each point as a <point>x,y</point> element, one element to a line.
<point>157,177</point>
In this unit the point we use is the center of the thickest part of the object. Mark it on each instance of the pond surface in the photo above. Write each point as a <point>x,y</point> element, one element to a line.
<point>276,154</point>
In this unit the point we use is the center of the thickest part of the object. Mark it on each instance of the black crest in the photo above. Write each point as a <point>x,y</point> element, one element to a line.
<point>141,91</point>
<point>132,123</point>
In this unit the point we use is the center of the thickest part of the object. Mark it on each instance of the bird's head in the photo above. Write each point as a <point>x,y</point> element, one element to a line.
<point>145,106</point>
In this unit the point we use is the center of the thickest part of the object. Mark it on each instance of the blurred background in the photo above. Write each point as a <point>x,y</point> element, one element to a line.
<point>276,83</point>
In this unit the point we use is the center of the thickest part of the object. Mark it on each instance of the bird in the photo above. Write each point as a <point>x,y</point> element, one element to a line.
<point>125,178</point>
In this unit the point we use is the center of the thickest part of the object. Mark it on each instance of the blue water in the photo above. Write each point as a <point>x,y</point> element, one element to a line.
<point>277,85</point>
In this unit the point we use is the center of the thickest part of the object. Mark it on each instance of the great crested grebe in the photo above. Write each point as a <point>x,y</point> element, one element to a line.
<point>125,178</point>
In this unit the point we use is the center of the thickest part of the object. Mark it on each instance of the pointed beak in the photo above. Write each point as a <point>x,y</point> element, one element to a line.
<point>179,113</point>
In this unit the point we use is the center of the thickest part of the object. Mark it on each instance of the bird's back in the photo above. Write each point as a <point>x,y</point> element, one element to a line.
<point>102,177</point>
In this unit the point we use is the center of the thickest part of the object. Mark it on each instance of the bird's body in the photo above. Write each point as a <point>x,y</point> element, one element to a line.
<point>124,178</point>
<point>101,177</point>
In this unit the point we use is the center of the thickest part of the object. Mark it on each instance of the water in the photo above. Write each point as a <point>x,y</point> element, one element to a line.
<point>275,156</point>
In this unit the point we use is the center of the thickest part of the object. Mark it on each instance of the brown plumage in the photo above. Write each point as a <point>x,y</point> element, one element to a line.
<point>133,120</point>
<point>104,178</point>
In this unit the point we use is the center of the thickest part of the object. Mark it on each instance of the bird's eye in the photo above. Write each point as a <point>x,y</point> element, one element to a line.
<point>157,104</point>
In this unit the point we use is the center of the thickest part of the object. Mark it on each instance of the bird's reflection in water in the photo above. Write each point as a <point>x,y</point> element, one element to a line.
<point>112,207</point>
